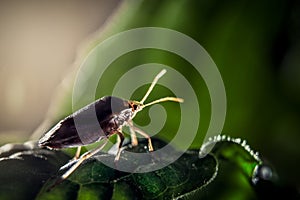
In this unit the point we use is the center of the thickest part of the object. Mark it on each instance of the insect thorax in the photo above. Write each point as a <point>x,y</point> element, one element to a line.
<point>123,117</point>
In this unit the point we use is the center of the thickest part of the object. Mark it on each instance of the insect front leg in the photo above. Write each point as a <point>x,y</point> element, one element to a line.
<point>134,141</point>
<point>120,143</point>
<point>142,133</point>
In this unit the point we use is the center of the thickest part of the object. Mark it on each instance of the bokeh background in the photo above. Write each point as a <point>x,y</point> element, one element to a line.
<point>39,43</point>
<point>255,44</point>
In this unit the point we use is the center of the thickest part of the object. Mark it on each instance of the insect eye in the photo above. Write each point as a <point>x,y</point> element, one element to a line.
<point>133,106</point>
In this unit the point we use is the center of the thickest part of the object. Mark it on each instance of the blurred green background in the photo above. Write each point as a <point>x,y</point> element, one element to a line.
<point>255,45</point>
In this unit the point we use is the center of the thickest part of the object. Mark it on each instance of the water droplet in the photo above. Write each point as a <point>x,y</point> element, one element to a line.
<point>244,143</point>
<point>262,172</point>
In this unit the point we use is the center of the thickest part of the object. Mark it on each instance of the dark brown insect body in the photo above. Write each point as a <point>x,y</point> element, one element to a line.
<point>111,113</point>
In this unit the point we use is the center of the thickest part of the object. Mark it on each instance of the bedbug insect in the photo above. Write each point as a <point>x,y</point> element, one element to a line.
<point>112,114</point>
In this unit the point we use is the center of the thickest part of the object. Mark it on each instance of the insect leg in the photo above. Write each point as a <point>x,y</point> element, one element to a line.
<point>139,131</point>
<point>120,143</point>
<point>77,154</point>
<point>134,141</point>
<point>80,160</point>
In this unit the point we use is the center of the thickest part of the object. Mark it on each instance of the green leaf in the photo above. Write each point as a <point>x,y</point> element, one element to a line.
<point>93,179</point>
<point>24,169</point>
<point>230,171</point>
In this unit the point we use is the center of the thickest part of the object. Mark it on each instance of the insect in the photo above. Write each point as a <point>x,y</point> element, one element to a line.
<point>112,114</point>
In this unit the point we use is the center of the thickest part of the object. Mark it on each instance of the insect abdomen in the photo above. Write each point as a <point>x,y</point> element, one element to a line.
<point>81,128</point>
<point>65,135</point>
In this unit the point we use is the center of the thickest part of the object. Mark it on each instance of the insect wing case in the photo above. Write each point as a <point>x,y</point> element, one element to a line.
<point>89,128</point>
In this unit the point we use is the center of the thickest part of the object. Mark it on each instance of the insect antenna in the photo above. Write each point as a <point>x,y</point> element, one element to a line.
<point>157,77</point>
<point>179,100</point>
